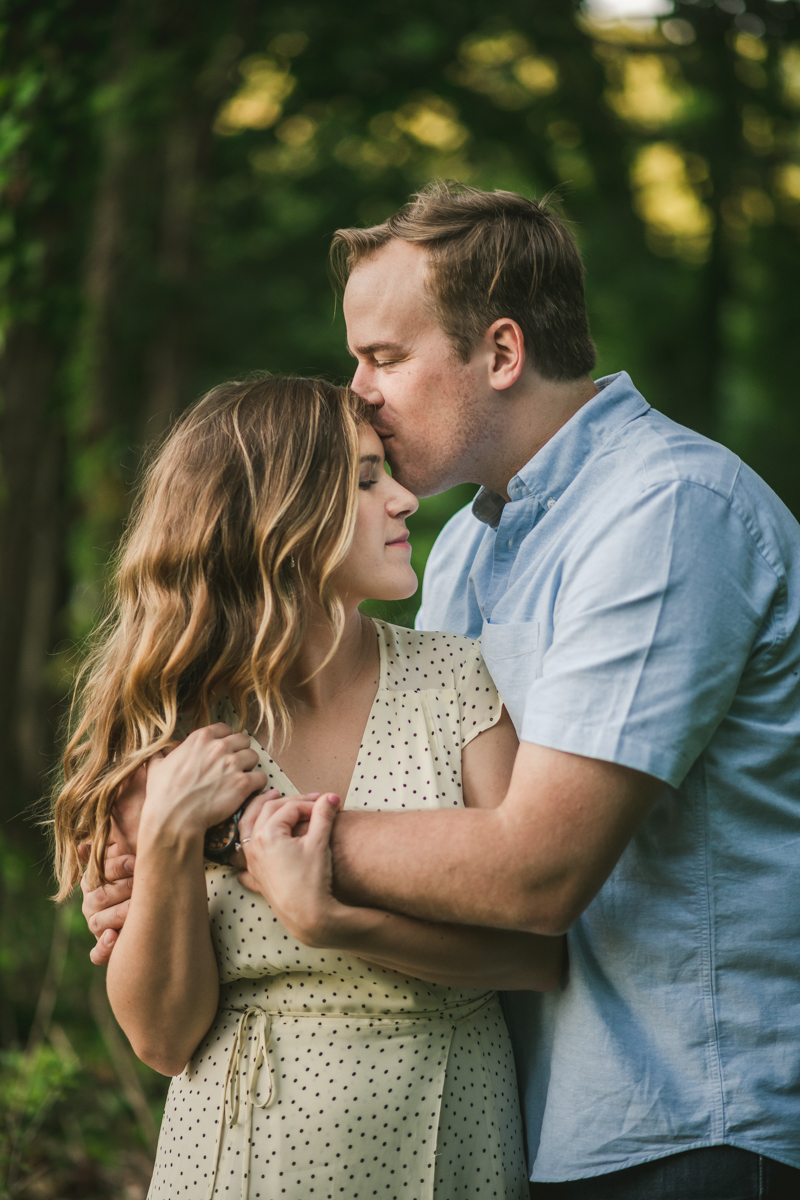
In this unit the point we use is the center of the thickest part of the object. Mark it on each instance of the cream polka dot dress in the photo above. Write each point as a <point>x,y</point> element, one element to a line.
<point>323,1077</point>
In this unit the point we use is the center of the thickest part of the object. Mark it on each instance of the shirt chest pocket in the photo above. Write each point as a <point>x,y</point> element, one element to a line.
<point>513,655</point>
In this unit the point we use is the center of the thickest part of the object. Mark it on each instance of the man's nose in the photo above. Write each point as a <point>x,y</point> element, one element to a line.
<point>364,385</point>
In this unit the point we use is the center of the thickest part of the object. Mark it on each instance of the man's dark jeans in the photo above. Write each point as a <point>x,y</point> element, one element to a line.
<point>715,1173</point>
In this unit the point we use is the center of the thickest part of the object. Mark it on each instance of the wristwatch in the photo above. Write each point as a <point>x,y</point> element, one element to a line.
<point>221,840</point>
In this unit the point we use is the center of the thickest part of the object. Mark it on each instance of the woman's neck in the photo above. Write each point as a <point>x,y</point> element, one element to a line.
<point>312,686</point>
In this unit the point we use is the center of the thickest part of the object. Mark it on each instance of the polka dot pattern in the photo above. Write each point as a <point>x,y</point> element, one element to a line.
<point>374,1085</point>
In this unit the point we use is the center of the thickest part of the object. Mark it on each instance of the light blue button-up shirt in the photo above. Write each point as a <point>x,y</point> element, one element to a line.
<point>639,602</point>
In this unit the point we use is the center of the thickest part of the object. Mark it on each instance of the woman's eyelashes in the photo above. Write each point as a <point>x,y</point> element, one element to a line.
<point>365,484</point>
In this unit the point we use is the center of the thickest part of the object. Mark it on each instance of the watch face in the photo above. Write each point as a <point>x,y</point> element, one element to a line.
<point>219,839</point>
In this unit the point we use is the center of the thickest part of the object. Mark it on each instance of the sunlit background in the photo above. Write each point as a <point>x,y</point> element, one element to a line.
<point>171,177</point>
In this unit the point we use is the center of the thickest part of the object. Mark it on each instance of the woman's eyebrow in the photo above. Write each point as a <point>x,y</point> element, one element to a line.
<point>371,458</point>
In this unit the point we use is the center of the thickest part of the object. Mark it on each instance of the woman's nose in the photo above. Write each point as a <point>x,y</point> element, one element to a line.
<point>402,503</point>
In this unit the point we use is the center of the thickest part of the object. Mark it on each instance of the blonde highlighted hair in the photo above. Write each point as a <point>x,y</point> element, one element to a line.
<point>241,521</point>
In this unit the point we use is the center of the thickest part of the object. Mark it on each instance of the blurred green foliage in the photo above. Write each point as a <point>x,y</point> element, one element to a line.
<point>170,177</point>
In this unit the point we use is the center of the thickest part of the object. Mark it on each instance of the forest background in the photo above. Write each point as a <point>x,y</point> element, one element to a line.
<point>171,174</point>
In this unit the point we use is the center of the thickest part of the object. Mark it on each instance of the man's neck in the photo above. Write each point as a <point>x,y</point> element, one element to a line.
<point>533,416</point>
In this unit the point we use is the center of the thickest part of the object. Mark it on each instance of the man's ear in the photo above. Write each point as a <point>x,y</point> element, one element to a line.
<point>506,344</point>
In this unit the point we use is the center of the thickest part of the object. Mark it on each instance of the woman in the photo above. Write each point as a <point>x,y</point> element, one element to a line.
<point>377,1063</point>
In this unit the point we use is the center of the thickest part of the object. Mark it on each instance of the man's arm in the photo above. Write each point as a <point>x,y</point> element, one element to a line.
<point>532,864</point>
<point>105,908</point>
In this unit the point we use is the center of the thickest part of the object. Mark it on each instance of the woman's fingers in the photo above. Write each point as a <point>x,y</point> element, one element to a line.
<point>295,809</point>
<point>282,820</point>
<point>322,818</point>
<point>250,814</point>
<point>246,759</point>
<point>254,782</point>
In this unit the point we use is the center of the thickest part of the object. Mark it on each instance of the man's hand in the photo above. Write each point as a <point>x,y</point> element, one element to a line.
<point>106,907</point>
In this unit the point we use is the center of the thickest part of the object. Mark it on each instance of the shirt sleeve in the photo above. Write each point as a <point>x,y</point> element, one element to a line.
<point>479,703</point>
<point>653,626</point>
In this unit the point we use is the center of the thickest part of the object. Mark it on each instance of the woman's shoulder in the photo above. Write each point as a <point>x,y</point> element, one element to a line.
<point>418,659</point>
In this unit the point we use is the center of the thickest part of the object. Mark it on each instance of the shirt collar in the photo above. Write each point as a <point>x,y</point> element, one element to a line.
<point>552,469</point>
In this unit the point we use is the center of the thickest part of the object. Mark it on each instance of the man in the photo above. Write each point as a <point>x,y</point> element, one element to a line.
<point>637,590</point>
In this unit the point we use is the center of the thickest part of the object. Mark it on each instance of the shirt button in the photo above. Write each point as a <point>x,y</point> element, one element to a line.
<point>550,502</point>
<point>510,543</point>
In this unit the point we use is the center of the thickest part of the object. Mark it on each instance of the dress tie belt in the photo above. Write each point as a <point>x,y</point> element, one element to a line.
<point>261,1021</point>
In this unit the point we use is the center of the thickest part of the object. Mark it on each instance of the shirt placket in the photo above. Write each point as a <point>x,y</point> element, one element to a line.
<point>517,520</point>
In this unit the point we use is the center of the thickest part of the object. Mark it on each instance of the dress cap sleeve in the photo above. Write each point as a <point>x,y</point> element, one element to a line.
<point>479,702</point>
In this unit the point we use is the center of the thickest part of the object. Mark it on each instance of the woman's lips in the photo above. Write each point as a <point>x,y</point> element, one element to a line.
<point>400,541</point>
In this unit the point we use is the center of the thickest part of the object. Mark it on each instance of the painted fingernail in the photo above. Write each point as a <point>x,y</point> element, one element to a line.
<point>314,795</point>
<point>333,799</point>
<point>108,938</point>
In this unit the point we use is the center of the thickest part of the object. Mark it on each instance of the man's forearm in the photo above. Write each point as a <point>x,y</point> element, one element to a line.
<point>532,864</point>
<point>438,866</point>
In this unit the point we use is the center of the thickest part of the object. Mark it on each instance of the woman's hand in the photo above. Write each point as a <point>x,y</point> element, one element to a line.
<point>199,783</point>
<point>295,873</point>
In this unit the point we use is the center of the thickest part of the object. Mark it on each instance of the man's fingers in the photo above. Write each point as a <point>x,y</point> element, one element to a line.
<point>120,866</point>
<point>107,896</point>
<point>100,953</point>
<point>108,918</point>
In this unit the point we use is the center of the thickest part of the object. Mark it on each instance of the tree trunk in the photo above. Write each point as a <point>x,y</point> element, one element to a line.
<point>31,527</point>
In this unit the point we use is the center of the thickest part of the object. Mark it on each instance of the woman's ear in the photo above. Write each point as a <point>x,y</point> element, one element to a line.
<point>507,353</point>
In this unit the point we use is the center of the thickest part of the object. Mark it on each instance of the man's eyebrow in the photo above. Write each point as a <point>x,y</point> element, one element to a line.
<point>373,347</point>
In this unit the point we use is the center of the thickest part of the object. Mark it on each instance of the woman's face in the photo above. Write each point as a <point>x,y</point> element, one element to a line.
<point>378,564</point>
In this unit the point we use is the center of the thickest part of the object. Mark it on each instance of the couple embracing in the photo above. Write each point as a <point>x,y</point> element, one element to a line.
<point>594,811</point>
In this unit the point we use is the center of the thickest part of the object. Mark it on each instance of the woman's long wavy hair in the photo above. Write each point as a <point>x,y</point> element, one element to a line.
<point>241,521</point>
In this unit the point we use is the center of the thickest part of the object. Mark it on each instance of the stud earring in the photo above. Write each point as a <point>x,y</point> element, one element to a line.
<point>291,560</point>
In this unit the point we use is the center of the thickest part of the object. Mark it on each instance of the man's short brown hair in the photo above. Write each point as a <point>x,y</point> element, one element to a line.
<point>492,254</point>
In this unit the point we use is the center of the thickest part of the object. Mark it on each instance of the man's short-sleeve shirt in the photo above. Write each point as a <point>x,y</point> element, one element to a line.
<point>638,600</point>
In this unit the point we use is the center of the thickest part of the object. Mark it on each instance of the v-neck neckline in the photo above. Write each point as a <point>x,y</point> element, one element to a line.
<point>379,628</point>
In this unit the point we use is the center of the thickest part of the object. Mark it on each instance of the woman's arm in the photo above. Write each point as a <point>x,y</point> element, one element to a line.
<point>294,874</point>
<point>163,979</point>
<point>487,764</point>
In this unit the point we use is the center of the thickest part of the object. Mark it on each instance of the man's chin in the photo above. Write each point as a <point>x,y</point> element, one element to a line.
<point>419,481</point>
